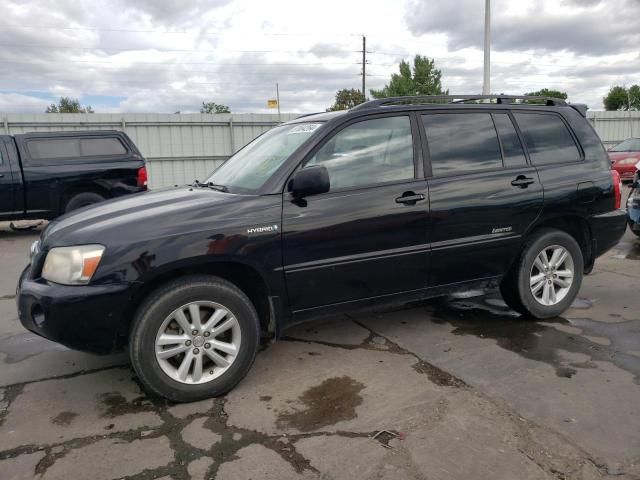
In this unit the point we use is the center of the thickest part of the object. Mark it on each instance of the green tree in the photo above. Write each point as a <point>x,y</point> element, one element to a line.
<point>68,105</point>
<point>622,98</point>
<point>347,98</point>
<point>424,79</point>
<point>213,107</point>
<point>549,92</point>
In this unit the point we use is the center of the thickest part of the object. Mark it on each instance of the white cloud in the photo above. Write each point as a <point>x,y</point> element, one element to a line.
<point>165,56</point>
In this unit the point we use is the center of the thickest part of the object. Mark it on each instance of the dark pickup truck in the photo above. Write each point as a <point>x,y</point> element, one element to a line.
<point>43,175</point>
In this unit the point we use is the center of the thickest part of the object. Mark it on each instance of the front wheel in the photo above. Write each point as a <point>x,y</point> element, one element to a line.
<point>194,338</point>
<point>547,277</point>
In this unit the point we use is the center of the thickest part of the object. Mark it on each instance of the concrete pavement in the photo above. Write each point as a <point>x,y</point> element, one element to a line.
<point>446,390</point>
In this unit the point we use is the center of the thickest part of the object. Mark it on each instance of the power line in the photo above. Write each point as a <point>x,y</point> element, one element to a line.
<point>182,32</point>
<point>177,50</point>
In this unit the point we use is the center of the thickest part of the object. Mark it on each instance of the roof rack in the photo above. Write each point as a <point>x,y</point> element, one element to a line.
<point>428,99</point>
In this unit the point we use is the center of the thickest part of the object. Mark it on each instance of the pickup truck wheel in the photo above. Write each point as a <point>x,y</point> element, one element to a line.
<point>547,277</point>
<point>194,338</point>
<point>82,200</point>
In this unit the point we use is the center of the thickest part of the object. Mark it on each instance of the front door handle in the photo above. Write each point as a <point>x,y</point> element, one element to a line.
<point>522,181</point>
<point>410,198</point>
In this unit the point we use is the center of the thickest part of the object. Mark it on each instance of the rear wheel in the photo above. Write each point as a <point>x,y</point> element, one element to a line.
<point>83,199</point>
<point>547,277</point>
<point>194,338</point>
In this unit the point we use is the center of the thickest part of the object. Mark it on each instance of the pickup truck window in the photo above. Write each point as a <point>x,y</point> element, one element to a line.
<point>74,148</point>
<point>99,147</point>
<point>368,153</point>
<point>462,143</point>
<point>54,148</point>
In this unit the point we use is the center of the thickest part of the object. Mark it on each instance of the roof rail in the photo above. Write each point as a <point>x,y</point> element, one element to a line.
<point>307,115</point>
<point>428,99</point>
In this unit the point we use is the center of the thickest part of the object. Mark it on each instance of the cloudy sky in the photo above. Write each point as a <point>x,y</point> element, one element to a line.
<point>169,55</point>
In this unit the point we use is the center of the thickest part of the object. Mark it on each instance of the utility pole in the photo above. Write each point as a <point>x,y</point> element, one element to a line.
<point>486,85</point>
<point>278,101</point>
<point>364,63</point>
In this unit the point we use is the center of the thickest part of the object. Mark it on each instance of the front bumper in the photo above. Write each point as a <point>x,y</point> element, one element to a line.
<point>607,229</point>
<point>82,317</point>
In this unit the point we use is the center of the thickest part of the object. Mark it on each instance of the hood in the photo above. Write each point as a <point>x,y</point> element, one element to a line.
<point>141,215</point>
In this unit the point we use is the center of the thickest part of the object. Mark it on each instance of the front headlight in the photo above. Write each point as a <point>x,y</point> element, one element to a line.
<point>72,265</point>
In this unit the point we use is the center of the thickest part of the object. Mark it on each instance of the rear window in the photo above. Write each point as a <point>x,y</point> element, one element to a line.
<point>70,148</point>
<point>462,142</point>
<point>547,138</point>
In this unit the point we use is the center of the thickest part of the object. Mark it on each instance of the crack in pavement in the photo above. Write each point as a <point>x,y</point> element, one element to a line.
<point>536,452</point>
<point>232,439</point>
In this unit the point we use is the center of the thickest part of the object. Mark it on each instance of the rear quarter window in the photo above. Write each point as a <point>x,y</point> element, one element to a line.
<point>547,138</point>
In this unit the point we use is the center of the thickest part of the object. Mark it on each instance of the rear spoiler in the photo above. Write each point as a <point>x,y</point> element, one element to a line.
<point>581,108</point>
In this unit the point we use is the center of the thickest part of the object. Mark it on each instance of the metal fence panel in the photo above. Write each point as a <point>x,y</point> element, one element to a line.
<point>613,127</point>
<point>179,148</point>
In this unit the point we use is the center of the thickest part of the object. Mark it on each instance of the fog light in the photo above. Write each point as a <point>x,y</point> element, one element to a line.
<point>37,314</point>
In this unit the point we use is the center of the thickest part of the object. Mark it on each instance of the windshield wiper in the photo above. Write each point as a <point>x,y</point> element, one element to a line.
<point>213,186</point>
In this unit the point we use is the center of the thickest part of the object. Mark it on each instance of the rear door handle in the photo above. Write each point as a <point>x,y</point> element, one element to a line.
<point>522,181</point>
<point>410,198</point>
<point>1,175</point>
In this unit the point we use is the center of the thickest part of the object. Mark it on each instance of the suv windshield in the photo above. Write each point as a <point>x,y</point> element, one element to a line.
<point>629,145</point>
<point>251,167</point>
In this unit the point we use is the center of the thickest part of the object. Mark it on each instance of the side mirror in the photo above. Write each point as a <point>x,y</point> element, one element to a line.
<point>309,181</point>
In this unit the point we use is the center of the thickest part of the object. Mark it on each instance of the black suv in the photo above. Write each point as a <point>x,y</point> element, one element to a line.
<point>396,200</point>
<point>46,174</point>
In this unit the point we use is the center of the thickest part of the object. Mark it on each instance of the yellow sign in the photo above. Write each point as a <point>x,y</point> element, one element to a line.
<point>272,103</point>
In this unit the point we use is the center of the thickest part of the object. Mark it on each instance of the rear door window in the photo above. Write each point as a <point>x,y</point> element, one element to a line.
<point>461,143</point>
<point>512,152</point>
<point>547,138</point>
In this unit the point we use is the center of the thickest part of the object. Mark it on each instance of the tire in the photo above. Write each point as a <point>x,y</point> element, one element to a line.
<point>525,276</point>
<point>82,200</point>
<point>158,316</point>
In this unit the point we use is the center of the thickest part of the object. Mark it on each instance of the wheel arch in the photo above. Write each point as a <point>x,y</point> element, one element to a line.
<point>576,226</point>
<point>77,189</point>
<point>243,275</point>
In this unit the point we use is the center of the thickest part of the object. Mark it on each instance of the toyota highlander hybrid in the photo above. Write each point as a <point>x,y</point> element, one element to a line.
<point>395,200</point>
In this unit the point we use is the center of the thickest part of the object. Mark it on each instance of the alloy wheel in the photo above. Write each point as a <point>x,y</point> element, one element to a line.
<point>198,342</point>
<point>551,275</point>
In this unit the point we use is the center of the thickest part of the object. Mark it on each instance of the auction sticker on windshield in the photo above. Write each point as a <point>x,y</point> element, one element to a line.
<point>304,128</point>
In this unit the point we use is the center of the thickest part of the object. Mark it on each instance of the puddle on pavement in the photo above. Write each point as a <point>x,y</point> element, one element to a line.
<point>541,341</point>
<point>18,348</point>
<point>115,404</point>
<point>582,304</point>
<point>64,418</point>
<point>627,250</point>
<point>333,401</point>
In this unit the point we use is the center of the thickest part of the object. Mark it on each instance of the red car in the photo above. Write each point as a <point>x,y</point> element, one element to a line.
<point>624,157</point>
